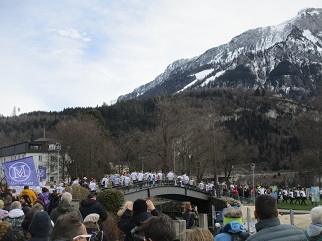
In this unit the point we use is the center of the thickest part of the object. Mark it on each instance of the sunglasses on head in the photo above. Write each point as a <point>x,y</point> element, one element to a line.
<point>86,236</point>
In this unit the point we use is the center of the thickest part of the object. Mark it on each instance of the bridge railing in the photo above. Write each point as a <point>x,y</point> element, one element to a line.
<point>137,186</point>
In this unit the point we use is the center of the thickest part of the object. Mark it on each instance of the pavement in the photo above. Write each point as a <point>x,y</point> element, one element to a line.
<point>302,219</point>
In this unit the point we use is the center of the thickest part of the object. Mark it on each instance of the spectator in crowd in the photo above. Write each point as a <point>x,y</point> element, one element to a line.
<point>69,227</point>
<point>129,221</point>
<point>314,231</point>
<point>199,234</point>
<point>54,201</point>
<point>65,206</point>
<point>190,214</point>
<point>16,217</point>
<point>6,233</point>
<point>30,215</point>
<point>44,196</point>
<point>159,228</point>
<point>3,213</point>
<point>232,226</point>
<point>40,227</point>
<point>92,227</point>
<point>30,193</point>
<point>7,199</point>
<point>25,203</point>
<point>268,226</point>
<point>91,205</point>
<point>14,195</point>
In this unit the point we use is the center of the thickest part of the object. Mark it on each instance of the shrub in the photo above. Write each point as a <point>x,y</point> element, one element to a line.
<point>111,199</point>
<point>78,192</point>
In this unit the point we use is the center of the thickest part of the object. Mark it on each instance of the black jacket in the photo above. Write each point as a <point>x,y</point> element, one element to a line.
<point>127,222</point>
<point>88,206</point>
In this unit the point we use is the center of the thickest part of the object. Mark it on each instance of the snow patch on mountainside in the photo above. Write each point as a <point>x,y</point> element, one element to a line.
<point>212,78</point>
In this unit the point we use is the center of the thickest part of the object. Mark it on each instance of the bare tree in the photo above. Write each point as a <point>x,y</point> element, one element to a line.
<point>88,148</point>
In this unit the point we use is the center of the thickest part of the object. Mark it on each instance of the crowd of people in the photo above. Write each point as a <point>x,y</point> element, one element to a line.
<point>141,179</point>
<point>43,216</point>
<point>48,214</point>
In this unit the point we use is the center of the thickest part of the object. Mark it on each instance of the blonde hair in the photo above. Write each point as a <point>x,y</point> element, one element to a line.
<point>127,205</point>
<point>186,206</point>
<point>1,203</point>
<point>199,234</point>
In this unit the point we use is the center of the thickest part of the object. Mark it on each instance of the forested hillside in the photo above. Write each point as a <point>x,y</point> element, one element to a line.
<point>203,132</point>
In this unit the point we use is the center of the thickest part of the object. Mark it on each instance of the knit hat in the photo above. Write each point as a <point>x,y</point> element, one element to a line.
<point>27,199</point>
<point>93,217</point>
<point>139,205</point>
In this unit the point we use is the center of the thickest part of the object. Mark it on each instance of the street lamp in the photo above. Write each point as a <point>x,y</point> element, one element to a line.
<point>190,156</point>
<point>253,169</point>
<point>58,148</point>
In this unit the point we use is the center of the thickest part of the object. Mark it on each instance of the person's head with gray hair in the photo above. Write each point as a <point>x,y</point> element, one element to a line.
<point>316,215</point>
<point>15,205</point>
<point>67,197</point>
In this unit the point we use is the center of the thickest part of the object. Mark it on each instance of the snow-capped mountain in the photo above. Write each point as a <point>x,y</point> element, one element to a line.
<point>286,59</point>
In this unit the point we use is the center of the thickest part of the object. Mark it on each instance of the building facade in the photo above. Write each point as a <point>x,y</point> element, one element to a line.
<point>42,150</point>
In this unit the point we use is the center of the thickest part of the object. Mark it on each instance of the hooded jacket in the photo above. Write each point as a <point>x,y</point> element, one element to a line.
<point>228,229</point>
<point>64,207</point>
<point>40,227</point>
<point>15,217</point>
<point>272,229</point>
<point>31,195</point>
<point>314,230</point>
<point>88,206</point>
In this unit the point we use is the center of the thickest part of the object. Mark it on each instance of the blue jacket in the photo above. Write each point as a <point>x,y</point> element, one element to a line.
<point>232,227</point>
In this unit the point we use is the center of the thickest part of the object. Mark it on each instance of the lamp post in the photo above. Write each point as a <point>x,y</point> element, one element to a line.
<point>58,148</point>
<point>190,156</point>
<point>253,169</point>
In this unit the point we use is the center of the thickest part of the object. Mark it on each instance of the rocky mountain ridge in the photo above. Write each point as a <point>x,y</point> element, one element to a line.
<point>285,58</point>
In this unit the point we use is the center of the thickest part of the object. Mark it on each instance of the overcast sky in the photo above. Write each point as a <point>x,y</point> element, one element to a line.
<point>63,53</point>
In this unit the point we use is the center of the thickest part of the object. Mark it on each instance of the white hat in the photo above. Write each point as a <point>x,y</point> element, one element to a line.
<point>85,178</point>
<point>93,217</point>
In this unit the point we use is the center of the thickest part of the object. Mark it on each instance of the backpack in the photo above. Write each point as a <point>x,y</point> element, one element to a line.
<point>137,234</point>
<point>45,198</point>
<point>193,220</point>
<point>241,236</point>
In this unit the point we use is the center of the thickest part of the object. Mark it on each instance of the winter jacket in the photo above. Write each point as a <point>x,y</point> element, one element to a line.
<point>40,227</point>
<point>272,229</point>
<point>15,217</point>
<point>314,230</point>
<point>228,229</point>
<point>127,222</point>
<point>88,206</point>
<point>64,207</point>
